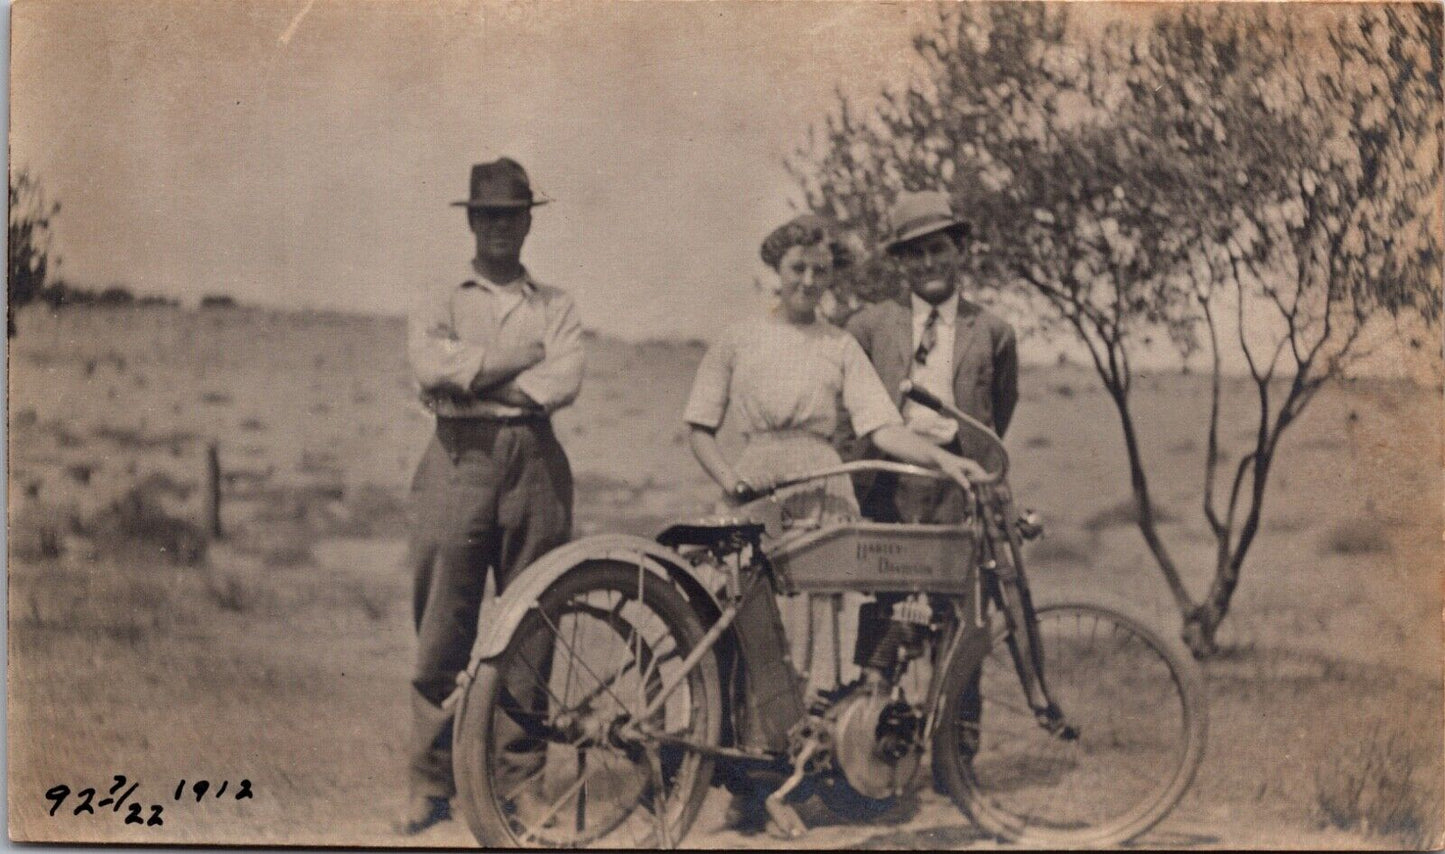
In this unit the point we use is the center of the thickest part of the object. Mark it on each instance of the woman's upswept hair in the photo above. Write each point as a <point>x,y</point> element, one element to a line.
<point>805,230</point>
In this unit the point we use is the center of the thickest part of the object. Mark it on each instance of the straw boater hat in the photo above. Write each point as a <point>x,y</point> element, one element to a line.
<point>500,185</point>
<point>917,215</point>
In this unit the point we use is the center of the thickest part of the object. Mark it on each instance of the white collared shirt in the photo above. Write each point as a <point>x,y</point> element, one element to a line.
<point>454,329</point>
<point>508,295</point>
<point>936,372</point>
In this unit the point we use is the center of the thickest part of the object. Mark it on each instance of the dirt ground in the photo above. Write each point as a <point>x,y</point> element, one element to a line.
<point>280,654</point>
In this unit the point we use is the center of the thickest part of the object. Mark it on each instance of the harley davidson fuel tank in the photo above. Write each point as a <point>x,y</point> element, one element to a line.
<point>876,557</point>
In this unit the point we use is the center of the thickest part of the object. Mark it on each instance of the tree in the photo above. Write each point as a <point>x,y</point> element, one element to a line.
<point>1331,227</point>
<point>28,250</point>
<point>1135,185</point>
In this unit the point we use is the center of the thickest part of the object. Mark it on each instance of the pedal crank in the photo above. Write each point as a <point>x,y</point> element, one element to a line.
<point>785,822</point>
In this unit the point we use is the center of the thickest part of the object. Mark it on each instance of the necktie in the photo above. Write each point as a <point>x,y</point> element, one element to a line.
<point>929,338</point>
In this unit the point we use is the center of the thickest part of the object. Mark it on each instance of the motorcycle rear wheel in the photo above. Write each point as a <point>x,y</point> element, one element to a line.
<point>599,646</point>
<point>1138,703</point>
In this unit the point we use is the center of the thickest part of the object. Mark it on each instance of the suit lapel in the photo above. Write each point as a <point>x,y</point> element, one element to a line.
<point>902,351</point>
<point>965,335</point>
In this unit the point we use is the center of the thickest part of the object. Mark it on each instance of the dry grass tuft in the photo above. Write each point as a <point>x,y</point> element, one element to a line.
<point>374,603</point>
<point>1184,447</point>
<point>287,554</point>
<point>1123,514</point>
<point>1358,536</point>
<point>279,544</point>
<point>138,522</point>
<point>37,531</point>
<point>1056,548</point>
<point>231,593</point>
<point>1375,785</point>
<point>136,440</point>
<point>371,510</point>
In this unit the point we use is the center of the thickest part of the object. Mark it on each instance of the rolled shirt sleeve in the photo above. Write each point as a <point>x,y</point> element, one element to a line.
<point>555,381</point>
<point>867,401</point>
<point>707,404</point>
<point>437,355</point>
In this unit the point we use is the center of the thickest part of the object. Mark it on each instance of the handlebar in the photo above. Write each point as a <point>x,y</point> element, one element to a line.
<point>746,492</point>
<point>851,468</point>
<point>924,397</point>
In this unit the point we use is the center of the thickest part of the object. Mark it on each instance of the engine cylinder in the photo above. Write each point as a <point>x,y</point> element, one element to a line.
<point>881,634</point>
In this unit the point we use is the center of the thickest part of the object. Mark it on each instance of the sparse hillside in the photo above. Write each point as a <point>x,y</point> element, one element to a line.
<point>281,652</point>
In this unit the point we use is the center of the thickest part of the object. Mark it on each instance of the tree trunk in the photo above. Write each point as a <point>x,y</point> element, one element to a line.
<point>1148,527</point>
<point>1202,623</point>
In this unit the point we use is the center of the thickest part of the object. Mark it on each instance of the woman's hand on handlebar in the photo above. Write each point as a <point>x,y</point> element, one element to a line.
<point>742,491</point>
<point>901,443</point>
<point>961,470</point>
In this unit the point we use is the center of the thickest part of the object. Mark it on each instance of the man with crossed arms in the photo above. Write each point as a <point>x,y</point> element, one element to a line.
<point>495,353</point>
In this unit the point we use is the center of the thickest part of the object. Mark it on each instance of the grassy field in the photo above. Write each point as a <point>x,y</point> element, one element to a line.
<point>281,652</point>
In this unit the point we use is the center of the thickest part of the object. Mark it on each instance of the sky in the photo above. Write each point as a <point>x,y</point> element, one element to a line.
<point>304,152</point>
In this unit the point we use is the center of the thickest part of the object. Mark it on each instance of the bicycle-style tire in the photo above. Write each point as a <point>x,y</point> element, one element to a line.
<point>597,626</point>
<point>1137,699</point>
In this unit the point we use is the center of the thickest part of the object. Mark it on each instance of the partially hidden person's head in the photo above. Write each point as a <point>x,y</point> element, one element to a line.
<point>499,209</point>
<point>805,252</point>
<point>928,240</point>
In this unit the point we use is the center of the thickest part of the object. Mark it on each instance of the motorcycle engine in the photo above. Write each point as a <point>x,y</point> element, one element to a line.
<point>876,742</point>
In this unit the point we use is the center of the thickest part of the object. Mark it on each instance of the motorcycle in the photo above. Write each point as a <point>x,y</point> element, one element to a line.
<point>619,672</point>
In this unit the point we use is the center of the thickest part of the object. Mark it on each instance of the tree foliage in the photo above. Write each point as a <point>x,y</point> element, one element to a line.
<point>1212,178</point>
<point>28,251</point>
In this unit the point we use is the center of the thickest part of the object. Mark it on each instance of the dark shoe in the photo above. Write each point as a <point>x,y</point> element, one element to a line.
<point>423,813</point>
<point>745,814</point>
<point>1054,723</point>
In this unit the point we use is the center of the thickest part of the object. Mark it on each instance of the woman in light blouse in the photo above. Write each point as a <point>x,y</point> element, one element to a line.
<point>782,377</point>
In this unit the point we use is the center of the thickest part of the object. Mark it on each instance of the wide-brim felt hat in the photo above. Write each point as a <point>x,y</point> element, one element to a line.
<point>500,185</point>
<point>917,215</point>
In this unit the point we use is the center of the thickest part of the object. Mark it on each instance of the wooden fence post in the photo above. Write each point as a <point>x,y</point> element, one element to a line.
<point>213,490</point>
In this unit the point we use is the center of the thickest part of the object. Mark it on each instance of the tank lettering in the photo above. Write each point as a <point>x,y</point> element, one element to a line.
<point>867,550</point>
<point>888,567</point>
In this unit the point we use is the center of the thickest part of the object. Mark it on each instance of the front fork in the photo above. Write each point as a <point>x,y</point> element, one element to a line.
<point>1008,586</point>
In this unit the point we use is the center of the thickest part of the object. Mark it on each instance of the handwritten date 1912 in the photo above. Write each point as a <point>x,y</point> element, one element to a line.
<point>119,795</point>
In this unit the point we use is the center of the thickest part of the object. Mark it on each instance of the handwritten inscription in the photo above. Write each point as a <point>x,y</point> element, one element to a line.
<point>118,797</point>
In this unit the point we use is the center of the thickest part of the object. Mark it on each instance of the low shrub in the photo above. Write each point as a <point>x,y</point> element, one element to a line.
<point>1379,785</point>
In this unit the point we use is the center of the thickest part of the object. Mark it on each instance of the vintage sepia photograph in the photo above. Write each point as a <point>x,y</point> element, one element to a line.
<point>723,424</point>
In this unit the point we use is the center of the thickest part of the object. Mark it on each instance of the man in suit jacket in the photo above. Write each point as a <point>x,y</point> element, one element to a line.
<point>942,341</point>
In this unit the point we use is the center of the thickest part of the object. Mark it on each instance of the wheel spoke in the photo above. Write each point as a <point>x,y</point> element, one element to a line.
<point>560,776</point>
<point>575,657</point>
<point>567,795</point>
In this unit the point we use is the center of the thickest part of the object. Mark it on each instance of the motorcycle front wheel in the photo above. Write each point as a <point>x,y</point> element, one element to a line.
<point>544,748</point>
<point>1137,703</point>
